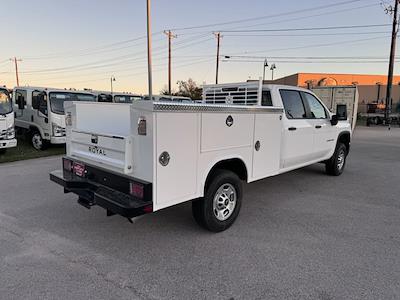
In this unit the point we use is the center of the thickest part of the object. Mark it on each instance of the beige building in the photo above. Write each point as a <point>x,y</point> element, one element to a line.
<point>371,88</point>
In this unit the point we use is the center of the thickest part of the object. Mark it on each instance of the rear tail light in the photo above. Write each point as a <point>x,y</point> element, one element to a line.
<point>67,165</point>
<point>137,190</point>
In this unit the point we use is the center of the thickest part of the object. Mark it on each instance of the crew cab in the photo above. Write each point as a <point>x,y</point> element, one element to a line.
<point>159,154</point>
<point>7,132</point>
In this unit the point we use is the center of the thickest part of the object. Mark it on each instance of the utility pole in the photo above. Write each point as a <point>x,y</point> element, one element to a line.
<point>273,67</point>
<point>170,37</point>
<point>218,36</point>
<point>264,66</point>
<point>15,60</point>
<point>149,62</point>
<point>390,10</point>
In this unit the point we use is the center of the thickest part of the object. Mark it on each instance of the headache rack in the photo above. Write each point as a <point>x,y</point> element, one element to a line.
<point>246,93</point>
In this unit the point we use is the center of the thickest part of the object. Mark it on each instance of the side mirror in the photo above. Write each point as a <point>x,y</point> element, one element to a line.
<point>334,120</point>
<point>35,102</point>
<point>341,112</point>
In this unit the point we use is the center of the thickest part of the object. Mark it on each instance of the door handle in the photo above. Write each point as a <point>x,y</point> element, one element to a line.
<point>292,128</point>
<point>318,126</point>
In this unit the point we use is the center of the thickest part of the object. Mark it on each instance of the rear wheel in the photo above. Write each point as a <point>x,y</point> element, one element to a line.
<point>37,141</point>
<point>335,165</point>
<point>221,203</point>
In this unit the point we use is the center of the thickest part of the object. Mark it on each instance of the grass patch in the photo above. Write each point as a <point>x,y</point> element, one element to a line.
<point>24,151</point>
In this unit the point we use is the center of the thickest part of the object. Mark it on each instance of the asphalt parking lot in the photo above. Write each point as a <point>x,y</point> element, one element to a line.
<point>301,235</point>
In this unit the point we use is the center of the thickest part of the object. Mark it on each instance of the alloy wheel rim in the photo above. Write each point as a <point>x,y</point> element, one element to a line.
<point>224,201</point>
<point>37,141</point>
<point>341,159</point>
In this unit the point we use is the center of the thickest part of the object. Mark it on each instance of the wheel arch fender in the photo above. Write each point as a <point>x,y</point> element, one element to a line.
<point>235,164</point>
<point>345,138</point>
<point>33,128</point>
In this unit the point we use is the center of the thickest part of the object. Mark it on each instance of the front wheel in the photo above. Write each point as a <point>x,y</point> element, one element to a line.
<point>335,165</point>
<point>37,141</point>
<point>3,151</point>
<point>221,203</point>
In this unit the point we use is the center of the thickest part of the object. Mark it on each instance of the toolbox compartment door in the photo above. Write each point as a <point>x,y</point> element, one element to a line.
<point>177,135</point>
<point>267,145</point>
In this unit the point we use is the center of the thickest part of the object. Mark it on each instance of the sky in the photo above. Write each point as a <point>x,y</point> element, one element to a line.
<point>82,44</point>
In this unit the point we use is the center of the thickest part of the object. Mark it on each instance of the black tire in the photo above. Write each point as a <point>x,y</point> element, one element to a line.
<point>3,151</point>
<point>222,181</point>
<point>37,141</point>
<point>336,164</point>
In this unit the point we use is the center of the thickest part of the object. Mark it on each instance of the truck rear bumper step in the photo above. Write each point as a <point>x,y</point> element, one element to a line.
<point>91,193</point>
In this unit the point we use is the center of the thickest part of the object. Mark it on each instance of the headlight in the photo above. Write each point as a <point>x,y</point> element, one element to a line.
<point>10,133</point>
<point>58,131</point>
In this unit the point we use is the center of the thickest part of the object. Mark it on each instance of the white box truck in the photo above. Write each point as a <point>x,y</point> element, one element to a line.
<point>40,113</point>
<point>159,154</point>
<point>7,132</point>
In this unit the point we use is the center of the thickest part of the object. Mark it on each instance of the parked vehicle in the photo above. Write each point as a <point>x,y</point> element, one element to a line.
<point>167,98</point>
<point>40,113</point>
<point>160,154</point>
<point>126,98</point>
<point>376,114</point>
<point>7,132</point>
<point>101,96</point>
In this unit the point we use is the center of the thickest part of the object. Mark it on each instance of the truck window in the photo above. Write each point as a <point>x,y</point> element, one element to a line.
<point>293,104</point>
<point>23,94</point>
<point>104,98</point>
<point>43,104</point>
<point>266,99</point>
<point>122,99</point>
<point>57,100</point>
<point>316,108</point>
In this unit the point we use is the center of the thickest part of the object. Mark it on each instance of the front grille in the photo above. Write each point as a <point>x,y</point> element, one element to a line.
<point>3,135</point>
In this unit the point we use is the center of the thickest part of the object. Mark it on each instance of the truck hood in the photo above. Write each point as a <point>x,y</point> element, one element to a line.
<point>6,121</point>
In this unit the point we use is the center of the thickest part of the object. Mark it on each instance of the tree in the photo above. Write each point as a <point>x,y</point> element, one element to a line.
<point>190,89</point>
<point>187,88</point>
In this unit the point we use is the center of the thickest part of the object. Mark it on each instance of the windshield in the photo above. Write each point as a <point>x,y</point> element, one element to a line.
<point>57,100</point>
<point>5,102</point>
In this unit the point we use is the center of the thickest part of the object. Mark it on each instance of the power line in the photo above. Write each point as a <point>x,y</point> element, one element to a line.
<point>310,28</point>
<point>113,61</point>
<point>310,34</point>
<point>330,12</point>
<point>317,45</point>
<point>63,54</point>
<point>267,16</point>
<point>310,62</point>
<point>307,57</point>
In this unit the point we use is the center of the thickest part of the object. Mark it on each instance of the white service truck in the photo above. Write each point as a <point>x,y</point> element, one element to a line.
<point>7,132</point>
<point>160,154</point>
<point>40,113</point>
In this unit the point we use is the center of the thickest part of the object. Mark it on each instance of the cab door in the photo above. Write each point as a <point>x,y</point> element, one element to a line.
<point>40,115</point>
<point>324,133</point>
<point>298,131</point>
